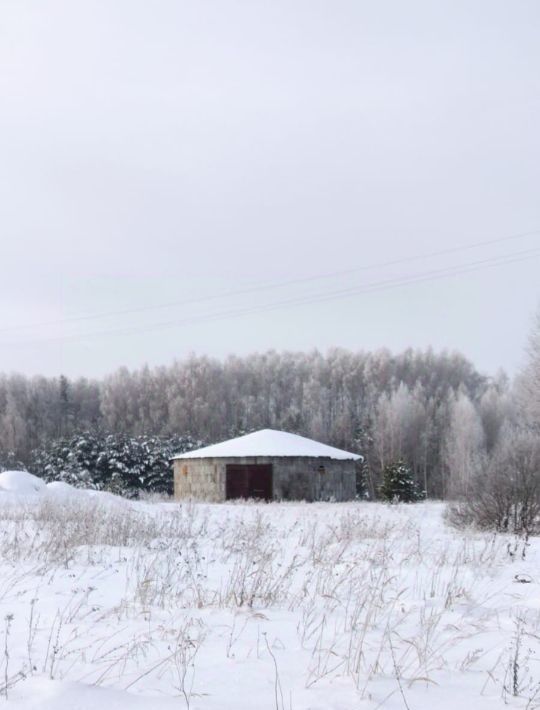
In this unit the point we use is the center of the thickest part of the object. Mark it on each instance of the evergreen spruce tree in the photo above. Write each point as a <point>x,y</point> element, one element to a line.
<point>398,484</point>
<point>118,463</point>
<point>362,476</point>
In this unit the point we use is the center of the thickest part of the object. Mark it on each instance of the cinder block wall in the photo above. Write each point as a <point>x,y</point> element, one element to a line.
<point>202,479</point>
<point>294,478</point>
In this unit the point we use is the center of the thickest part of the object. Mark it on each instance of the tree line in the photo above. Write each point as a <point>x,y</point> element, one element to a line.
<point>434,411</point>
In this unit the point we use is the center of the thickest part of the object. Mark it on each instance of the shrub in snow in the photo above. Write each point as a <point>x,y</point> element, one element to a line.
<point>504,494</point>
<point>398,484</point>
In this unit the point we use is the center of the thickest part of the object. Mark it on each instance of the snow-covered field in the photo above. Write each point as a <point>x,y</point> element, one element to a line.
<point>112,604</point>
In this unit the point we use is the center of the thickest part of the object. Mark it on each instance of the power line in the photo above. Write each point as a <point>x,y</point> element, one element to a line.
<point>376,286</point>
<point>271,286</point>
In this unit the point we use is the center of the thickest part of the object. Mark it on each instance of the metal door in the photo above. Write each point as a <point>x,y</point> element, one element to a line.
<point>249,481</point>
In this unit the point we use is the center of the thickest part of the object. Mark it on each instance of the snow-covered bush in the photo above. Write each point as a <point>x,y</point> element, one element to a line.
<point>114,462</point>
<point>505,493</point>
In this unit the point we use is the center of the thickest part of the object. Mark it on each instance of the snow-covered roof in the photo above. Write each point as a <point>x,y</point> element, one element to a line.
<point>268,442</point>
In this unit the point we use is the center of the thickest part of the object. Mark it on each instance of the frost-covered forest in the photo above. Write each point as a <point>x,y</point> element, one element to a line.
<point>434,411</point>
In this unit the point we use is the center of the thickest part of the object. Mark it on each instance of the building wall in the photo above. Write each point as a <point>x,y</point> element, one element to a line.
<point>294,478</point>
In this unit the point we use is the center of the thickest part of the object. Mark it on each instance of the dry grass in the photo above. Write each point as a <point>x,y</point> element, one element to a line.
<point>373,596</point>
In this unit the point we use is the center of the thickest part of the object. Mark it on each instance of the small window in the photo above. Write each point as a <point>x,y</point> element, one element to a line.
<point>322,469</point>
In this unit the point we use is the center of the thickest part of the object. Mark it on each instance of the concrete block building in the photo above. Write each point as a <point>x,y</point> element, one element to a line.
<point>268,465</point>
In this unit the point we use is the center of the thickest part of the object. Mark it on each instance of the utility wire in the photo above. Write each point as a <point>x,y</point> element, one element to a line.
<point>375,286</point>
<point>269,287</point>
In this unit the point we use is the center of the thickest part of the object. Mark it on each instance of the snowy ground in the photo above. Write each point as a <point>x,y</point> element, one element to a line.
<point>124,605</point>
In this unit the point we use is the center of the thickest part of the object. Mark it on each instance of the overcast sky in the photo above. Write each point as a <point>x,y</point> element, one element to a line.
<point>225,177</point>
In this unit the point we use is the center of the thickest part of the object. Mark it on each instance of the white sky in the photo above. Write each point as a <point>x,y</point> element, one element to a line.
<point>173,151</point>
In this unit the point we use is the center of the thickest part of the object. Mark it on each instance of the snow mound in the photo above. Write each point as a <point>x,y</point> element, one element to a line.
<point>66,493</point>
<point>40,693</point>
<point>21,483</point>
<point>60,489</point>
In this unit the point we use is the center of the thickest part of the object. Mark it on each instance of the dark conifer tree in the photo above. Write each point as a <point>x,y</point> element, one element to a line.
<point>398,484</point>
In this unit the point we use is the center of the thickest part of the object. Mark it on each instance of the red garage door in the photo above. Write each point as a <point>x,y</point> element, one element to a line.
<point>249,481</point>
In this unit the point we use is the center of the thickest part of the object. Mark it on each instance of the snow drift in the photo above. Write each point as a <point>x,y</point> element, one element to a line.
<point>21,483</point>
